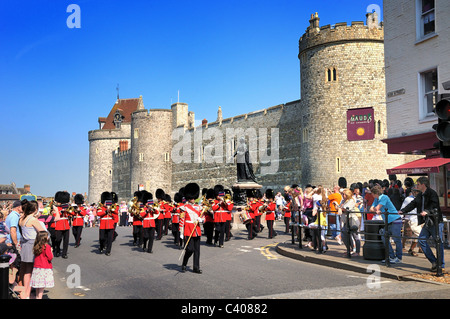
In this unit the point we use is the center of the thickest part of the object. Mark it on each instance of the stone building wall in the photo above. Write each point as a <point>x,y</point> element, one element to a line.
<point>149,166</point>
<point>275,127</point>
<point>102,144</point>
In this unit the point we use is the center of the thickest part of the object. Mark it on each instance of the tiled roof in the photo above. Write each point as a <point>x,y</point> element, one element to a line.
<point>127,107</point>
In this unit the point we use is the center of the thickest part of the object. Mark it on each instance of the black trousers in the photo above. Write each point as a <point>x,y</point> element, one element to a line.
<point>159,227</point>
<point>228,230</point>
<point>137,234</point>
<point>106,239</point>
<point>258,225</point>
<point>76,231</point>
<point>62,236</point>
<point>52,232</point>
<point>148,235</point>
<point>193,248</point>
<point>166,226</point>
<point>272,232</point>
<point>209,231</point>
<point>251,228</point>
<point>219,236</point>
<point>176,234</point>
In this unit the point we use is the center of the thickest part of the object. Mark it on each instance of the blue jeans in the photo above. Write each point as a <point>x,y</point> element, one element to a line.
<point>395,229</point>
<point>424,235</point>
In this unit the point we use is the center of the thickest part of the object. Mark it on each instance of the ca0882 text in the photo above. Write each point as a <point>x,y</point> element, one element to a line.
<point>246,308</point>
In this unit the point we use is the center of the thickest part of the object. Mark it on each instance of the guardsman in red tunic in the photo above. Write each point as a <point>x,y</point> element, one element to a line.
<point>257,203</point>
<point>78,218</point>
<point>106,234</point>
<point>287,212</point>
<point>115,208</point>
<point>190,224</point>
<point>251,225</point>
<point>168,207</point>
<point>221,209</point>
<point>62,226</point>
<point>269,209</point>
<point>135,210</point>
<point>228,200</point>
<point>160,220</point>
<point>208,225</point>
<point>176,212</point>
<point>149,214</point>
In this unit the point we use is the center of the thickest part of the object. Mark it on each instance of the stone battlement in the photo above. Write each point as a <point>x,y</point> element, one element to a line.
<point>341,32</point>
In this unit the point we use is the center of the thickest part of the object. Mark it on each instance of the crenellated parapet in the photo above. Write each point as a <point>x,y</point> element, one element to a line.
<point>357,31</point>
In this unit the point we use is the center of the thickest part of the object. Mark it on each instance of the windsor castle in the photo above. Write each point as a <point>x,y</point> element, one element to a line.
<point>303,141</point>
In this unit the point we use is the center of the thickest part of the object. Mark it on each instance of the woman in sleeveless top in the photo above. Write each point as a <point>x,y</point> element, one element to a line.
<point>29,226</point>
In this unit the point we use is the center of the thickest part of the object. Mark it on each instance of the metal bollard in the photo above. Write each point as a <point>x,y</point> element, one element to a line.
<point>386,238</point>
<point>438,244</point>
<point>4,276</point>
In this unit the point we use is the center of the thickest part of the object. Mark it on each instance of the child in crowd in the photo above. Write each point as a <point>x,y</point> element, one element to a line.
<point>42,276</point>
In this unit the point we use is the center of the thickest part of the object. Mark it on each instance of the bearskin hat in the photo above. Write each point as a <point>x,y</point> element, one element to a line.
<point>269,194</point>
<point>210,193</point>
<point>106,196</point>
<point>167,198</point>
<point>218,189</point>
<point>191,191</point>
<point>178,198</point>
<point>115,198</point>
<point>78,199</point>
<point>139,195</point>
<point>159,194</point>
<point>146,196</point>
<point>250,193</point>
<point>62,197</point>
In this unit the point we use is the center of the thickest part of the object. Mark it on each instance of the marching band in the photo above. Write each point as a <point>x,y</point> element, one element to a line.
<point>152,219</point>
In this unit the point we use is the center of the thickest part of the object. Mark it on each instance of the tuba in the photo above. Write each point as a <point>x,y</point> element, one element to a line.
<point>135,208</point>
<point>228,198</point>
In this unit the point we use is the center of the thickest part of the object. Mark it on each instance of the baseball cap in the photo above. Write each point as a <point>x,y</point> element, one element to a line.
<point>16,203</point>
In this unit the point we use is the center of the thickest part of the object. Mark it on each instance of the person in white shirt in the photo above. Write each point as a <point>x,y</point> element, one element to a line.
<point>411,224</point>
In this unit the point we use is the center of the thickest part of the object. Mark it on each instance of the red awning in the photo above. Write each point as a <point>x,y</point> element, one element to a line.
<point>421,166</point>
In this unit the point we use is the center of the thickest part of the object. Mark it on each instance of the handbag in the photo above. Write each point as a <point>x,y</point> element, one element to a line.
<point>429,222</point>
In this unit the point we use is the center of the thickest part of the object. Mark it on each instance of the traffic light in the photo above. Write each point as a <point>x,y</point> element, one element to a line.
<point>442,111</point>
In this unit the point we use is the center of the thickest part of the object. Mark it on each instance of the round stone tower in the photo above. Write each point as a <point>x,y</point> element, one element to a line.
<point>342,68</point>
<point>151,144</point>
<point>102,144</point>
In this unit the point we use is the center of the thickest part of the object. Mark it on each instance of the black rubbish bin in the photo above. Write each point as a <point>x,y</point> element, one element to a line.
<point>373,247</point>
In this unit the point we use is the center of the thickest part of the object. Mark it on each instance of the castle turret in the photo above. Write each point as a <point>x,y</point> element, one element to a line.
<point>151,144</point>
<point>342,69</point>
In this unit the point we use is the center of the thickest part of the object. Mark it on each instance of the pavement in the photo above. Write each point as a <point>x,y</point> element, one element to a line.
<point>411,267</point>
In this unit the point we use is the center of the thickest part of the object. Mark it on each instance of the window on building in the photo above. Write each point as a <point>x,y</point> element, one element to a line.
<point>166,157</point>
<point>331,75</point>
<point>305,135</point>
<point>338,165</point>
<point>136,133</point>
<point>425,18</point>
<point>141,157</point>
<point>428,91</point>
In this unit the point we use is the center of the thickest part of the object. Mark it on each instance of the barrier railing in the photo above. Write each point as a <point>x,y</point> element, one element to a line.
<point>297,225</point>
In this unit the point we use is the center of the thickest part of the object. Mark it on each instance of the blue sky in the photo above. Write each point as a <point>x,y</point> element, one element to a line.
<point>56,81</point>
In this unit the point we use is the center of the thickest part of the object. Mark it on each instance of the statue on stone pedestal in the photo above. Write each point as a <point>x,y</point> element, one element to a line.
<point>244,167</point>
